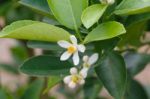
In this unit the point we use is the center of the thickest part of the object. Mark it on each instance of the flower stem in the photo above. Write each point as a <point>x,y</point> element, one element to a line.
<point>79,35</point>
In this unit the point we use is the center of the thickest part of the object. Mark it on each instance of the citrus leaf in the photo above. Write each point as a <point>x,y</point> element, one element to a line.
<point>112,73</point>
<point>44,45</point>
<point>136,62</point>
<point>129,7</point>
<point>34,90</point>
<point>68,12</point>
<point>92,14</point>
<point>39,5</point>
<point>105,31</point>
<point>34,30</point>
<point>45,65</point>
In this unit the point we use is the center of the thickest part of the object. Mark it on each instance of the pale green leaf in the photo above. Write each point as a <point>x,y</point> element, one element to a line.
<point>68,12</point>
<point>128,7</point>
<point>92,14</point>
<point>105,31</point>
<point>34,30</point>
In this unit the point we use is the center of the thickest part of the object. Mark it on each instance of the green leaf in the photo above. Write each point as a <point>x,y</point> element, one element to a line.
<point>92,14</point>
<point>112,73</point>
<point>9,68</point>
<point>107,45</point>
<point>136,62</point>
<point>19,54</point>
<point>38,5</point>
<point>52,81</point>
<point>128,7</point>
<point>133,35</point>
<point>135,90</point>
<point>34,30</point>
<point>135,19</point>
<point>92,88</point>
<point>45,65</point>
<point>34,90</point>
<point>105,31</point>
<point>68,12</point>
<point>44,45</point>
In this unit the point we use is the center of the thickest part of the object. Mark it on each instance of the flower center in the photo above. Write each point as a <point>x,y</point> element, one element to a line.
<point>75,78</point>
<point>86,65</point>
<point>72,49</point>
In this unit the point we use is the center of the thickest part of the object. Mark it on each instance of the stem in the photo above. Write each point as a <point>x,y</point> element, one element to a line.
<point>79,35</point>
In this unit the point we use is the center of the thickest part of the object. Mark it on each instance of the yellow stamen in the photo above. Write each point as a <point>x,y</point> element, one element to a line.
<point>86,65</point>
<point>72,49</point>
<point>75,78</point>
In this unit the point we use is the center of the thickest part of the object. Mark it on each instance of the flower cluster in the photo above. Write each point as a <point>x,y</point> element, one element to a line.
<point>76,77</point>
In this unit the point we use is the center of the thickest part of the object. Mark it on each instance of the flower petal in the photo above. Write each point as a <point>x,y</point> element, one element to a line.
<point>84,72</point>
<point>76,58</point>
<point>63,44</point>
<point>93,58</point>
<point>67,79</point>
<point>81,48</point>
<point>85,58</point>
<point>65,56</point>
<point>82,81</point>
<point>73,39</point>
<point>73,71</point>
<point>72,85</point>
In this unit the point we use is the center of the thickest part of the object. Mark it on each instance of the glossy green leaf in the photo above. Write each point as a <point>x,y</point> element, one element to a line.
<point>133,35</point>
<point>112,73</point>
<point>92,88</point>
<point>68,12</point>
<point>39,5</point>
<point>136,62</point>
<point>34,30</point>
<point>44,45</point>
<point>135,19</point>
<point>135,90</point>
<point>107,45</point>
<point>128,7</point>
<point>52,81</point>
<point>92,14</point>
<point>34,90</point>
<point>105,31</point>
<point>45,65</point>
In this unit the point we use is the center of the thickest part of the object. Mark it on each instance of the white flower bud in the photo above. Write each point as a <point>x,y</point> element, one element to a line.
<point>107,1</point>
<point>73,71</point>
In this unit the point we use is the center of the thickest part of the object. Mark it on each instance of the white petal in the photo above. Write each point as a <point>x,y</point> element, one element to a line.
<point>84,72</point>
<point>73,71</point>
<point>82,82</point>
<point>63,44</point>
<point>81,48</point>
<point>85,58</point>
<point>73,39</point>
<point>65,56</point>
<point>93,58</point>
<point>76,58</point>
<point>72,85</point>
<point>67,79</point>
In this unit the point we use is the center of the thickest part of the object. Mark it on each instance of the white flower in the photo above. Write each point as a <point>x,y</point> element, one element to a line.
<point>87,63</point>
<point>72,49</point>
<point>74,79</point>
<point>107,1</point>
